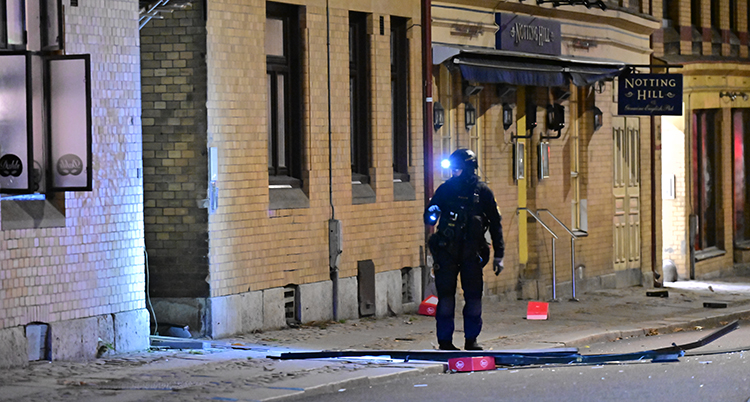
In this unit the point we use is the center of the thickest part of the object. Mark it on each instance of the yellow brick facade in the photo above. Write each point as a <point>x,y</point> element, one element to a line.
<point>707,74</point>
<point>580,148</point>
<point>254,247</point>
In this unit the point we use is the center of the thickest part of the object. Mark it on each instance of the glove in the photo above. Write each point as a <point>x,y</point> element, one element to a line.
<point>434,211</point>
<point>497,266</point>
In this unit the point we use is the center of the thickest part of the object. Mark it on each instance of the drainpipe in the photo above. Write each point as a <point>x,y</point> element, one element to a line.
<point>427,76</point>
<point>428,124</point>
<point>655,279</point>
<point>334,226</point>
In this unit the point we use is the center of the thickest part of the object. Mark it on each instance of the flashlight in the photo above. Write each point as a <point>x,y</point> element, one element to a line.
<point>434,214</point>
<point>445,163</point>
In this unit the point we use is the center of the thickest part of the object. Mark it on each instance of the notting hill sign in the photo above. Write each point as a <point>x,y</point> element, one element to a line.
<point>650,95</point>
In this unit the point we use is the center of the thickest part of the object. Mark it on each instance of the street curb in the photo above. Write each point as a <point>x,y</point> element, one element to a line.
<point>715,321</point>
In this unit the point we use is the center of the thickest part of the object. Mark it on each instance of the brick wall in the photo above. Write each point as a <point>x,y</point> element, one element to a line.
<point>94,264</point>
<point>254,247</point>
<point>175,177</point>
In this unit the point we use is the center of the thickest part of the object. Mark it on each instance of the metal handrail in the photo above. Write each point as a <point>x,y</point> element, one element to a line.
<point>554,237</point>
<point>573,238</point>
<point>540,221</point>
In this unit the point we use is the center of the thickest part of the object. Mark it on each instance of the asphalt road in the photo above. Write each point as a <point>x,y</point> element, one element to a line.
<point>705,374</point>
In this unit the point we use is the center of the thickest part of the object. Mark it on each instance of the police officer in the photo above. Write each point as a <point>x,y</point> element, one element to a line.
<point>464,209</point>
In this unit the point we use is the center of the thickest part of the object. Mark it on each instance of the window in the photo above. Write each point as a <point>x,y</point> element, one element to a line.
<point>695,13</point>
<point>399,101</point>
<point>359,94</point>
<point>446,132</point>
<point>706,179</point>
<point>284,107</point>
<point>740,148</point>
<point>13,29</point>
<point>716,14</point>
<point>670,9</point>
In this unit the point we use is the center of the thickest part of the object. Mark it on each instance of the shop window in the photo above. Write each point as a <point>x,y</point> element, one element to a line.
<point>706,177</point>
<point>359,97</point>
<point>283,86</point>
<point>444,82</point>
<point>741,170</point>
<point>12,30</point>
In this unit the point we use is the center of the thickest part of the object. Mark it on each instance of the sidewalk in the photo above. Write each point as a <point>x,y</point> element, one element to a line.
<point>240,368</point>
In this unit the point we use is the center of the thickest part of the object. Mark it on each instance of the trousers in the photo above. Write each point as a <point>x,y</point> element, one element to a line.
<point>446,279</point>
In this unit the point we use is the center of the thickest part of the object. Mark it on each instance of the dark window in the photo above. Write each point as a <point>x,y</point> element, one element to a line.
<point>670,9</point>
<point>284,107</point>
<point>706,178</point>
<point>695,13</point>
<point>740,149</point>
<point>399,101</point>
<point>359,94</point>
<point>733,16</point>
<point>716,14</point>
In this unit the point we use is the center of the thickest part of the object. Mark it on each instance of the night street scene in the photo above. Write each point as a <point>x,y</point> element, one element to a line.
<point>528,200</point>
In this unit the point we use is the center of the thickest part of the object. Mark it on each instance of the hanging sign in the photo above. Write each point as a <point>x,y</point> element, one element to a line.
<point>650,95</point>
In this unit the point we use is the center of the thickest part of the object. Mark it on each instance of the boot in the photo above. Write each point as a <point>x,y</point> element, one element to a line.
<point>447,345</point>
<point>471,344</point>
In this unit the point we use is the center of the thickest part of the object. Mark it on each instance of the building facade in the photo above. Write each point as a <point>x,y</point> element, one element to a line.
<point>571,176</point>
<point>704,172</point>
<point>283,162</point>
<point>72,271</point>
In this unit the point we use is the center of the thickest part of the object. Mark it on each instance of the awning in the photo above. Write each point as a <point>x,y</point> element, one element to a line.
<point>503,67</point>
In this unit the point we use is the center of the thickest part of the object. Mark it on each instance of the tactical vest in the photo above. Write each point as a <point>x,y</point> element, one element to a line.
<point>462,226</point>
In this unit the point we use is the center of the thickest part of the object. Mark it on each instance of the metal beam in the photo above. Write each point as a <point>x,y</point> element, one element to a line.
<point>522,357</point>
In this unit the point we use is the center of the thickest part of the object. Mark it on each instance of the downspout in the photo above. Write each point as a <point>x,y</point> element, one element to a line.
<point>333,231</point>
<point>428,124</point>
<point>656,276</point>
<point>427,76</point>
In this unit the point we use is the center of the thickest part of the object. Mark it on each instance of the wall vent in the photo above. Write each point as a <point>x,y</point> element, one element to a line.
<point>291,302</point>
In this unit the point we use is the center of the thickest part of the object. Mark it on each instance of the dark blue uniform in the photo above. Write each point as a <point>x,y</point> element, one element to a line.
<point>467,210</point>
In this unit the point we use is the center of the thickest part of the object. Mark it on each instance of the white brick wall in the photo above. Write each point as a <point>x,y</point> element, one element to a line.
<point>94,265</point>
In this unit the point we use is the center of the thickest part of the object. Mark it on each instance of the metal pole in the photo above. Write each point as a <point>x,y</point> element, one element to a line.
<point>554,275</point>
<point>573,266</point>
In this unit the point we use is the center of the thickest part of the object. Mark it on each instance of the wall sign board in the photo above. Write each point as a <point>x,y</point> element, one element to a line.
<point>527,34</point>
<point>15,123</point>
<point>69,123</point>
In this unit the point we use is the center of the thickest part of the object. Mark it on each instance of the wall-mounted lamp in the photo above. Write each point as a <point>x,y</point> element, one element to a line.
<point>530,114</point>
<point>438,115</point>
<point>555,117</point>
<point>507,116</point>
<point>733,95</point>
<point>470,115</point>
<point>471,90</point>
<point>598,116</point>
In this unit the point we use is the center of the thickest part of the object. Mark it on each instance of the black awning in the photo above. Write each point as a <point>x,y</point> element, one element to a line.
<point>508,72</point>
<point>502,67</point>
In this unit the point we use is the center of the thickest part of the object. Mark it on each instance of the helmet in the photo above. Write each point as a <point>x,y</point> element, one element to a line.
<point>464,159</point>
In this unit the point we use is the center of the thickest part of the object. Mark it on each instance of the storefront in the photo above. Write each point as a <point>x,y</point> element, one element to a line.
<point>531,90</point>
